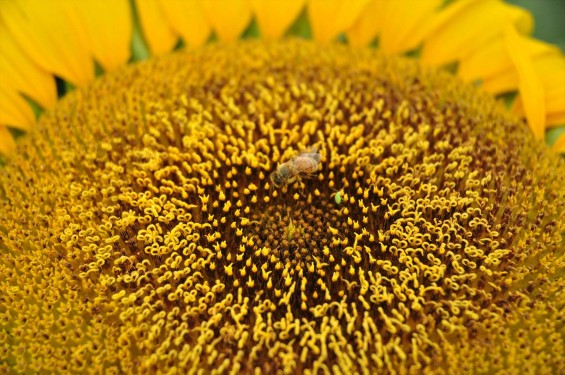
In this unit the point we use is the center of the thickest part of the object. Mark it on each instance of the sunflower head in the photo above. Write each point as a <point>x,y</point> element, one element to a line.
<point>142,232</point>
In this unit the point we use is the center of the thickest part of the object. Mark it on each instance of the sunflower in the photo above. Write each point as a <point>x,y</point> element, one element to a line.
<point>142,230</point>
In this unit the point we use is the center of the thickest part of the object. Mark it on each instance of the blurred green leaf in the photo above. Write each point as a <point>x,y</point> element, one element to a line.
<point>552,134</point>
<point>139,49</point>
<point>301,27</point>
<point>252,30</point>
<point>549,18</point>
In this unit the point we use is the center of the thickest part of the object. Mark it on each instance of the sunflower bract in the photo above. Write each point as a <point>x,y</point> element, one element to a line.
<point>140,232</point>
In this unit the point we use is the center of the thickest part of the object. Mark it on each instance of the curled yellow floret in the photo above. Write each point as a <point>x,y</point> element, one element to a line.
<point>140,232</point>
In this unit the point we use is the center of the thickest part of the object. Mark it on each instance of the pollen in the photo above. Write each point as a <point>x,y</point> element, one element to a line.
<point>140,234</point>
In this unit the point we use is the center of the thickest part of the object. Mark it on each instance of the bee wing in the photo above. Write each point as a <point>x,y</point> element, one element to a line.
<point>312,154</point>
<point>304,167</point>
<point>309,176</point>
<point>311,151</point>
<point>316,156</point>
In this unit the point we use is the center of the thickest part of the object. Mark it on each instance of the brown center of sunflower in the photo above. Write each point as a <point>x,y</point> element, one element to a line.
<point>422,229</point>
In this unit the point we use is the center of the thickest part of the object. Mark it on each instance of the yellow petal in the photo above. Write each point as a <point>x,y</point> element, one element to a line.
<point>330,18</point>
<point>551,69</point>
<point>7,144</point>
<point>275,16</point>
<point>465,26</point>
<point>157,32</point>
<point>559,145</point>
<point>368,25</point>
<point>555,101</point>
<point>493,60</point>
<point>530,87</point>
<point>555,120</point>
<point>501,83</point>
<point>402,22</point>
<point>15,111</point>
<point>187,19</point>
<point>109,29</point>
<point>229,19</point>
<point>554,105</point>
<point>22,75</point>
<point>52,35</point>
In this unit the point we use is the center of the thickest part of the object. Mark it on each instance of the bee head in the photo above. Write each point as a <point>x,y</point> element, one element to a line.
<point>276,179</point>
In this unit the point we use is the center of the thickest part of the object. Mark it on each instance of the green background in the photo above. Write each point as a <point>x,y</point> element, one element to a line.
<point>549,18</point>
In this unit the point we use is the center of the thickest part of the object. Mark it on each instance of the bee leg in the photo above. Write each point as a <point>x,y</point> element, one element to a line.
<point>292,182</point>
<point>302,186</point>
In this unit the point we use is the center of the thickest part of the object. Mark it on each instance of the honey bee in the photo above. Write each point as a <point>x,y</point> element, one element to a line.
<point>305,164</point>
